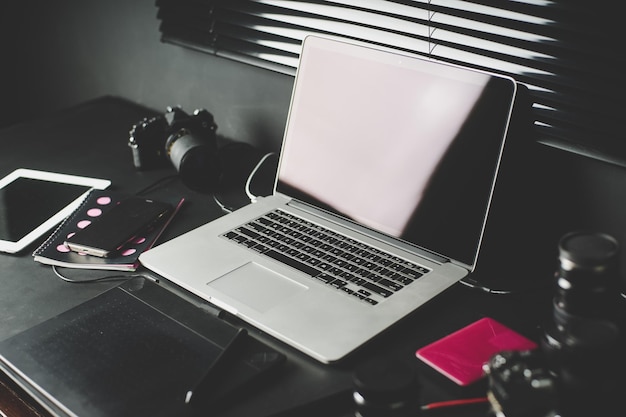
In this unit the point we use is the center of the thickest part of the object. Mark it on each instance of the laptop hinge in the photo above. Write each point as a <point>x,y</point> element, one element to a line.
<point>300,205</point>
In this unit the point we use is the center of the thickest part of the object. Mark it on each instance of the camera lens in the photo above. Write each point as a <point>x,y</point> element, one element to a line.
<point>586,295</point>
<point>587,279</point>
<point>195,159</point>
<point>582,341</point>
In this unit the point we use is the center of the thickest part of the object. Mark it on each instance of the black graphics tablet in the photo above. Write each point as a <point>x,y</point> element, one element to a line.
<point>135,350</point>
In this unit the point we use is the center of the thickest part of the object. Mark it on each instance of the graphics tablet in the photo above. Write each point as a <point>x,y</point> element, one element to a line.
<point>135,350</point>
<point>32,202</point>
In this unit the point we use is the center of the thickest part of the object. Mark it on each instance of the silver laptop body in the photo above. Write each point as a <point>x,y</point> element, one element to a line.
<point>395,152</point>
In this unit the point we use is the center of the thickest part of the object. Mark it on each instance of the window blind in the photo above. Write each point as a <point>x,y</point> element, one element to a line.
<point>567,52</point>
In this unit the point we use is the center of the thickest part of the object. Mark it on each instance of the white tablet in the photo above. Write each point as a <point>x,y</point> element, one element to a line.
<point>32,202</point>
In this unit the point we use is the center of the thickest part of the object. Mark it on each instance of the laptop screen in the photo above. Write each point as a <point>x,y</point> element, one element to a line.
<point>402,145</point>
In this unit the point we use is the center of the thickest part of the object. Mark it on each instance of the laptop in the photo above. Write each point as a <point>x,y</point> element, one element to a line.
<point>385,177</point>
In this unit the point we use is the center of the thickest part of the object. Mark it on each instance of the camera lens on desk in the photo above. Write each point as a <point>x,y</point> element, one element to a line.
<point>582,340</point>
<point>586,300</point>
<point>587,280</point>
<point>194,158</point>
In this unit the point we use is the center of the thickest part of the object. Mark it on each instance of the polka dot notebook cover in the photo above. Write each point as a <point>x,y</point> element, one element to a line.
<point>96,203</point>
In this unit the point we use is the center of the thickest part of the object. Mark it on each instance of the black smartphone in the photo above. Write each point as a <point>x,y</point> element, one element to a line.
<point>120,225</point>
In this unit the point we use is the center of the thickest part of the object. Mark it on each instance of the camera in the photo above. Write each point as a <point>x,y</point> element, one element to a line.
<point>579,367</point>
<point>521,385</point>
<point>188,142</point>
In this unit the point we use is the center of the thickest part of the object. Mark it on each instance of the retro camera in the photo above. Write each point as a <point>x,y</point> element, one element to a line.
<point>188,142</point>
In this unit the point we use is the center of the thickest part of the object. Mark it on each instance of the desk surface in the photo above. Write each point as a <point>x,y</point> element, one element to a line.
<point>91,140</point>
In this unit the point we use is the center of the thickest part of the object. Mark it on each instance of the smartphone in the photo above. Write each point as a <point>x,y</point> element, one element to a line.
<point>120,225</point>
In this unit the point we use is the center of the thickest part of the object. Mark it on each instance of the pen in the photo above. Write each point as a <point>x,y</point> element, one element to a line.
<point>454,403</point>
<point>215,371</point>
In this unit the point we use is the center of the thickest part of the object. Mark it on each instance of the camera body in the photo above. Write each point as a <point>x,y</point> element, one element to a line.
<point>188,142</point>
<point>152,140</point>
<point>521,385</point>
<point>524,383</point>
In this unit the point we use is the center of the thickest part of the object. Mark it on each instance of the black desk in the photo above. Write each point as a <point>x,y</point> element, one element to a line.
<point>91,140</point>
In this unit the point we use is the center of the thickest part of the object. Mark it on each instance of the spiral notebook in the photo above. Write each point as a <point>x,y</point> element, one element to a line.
<point>95,204</point>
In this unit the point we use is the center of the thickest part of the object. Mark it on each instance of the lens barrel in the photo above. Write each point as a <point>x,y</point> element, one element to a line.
<point>195,159</point>
<point>587,280</point>
<point>582,341</point>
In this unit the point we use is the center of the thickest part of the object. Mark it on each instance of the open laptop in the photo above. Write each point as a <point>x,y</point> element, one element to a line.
<point>385,177</point>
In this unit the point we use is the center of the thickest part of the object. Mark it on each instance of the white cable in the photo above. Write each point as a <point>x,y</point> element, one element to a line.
<point>113,277</point>
<point>476,286</point>
<point>222,206</point>
<point>251,196</point>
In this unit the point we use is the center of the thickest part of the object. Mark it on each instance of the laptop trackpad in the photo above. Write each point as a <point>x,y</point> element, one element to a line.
<point>257,286</point>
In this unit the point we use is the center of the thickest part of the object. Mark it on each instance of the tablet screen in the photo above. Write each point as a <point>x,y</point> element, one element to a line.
<point>32,202</point>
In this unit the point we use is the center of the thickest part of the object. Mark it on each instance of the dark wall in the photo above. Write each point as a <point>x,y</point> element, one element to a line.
<point>542,193</point>
<point>59,53</point>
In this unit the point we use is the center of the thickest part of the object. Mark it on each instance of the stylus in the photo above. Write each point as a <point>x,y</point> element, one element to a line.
<point>454,403</point>
<point>214,374</point>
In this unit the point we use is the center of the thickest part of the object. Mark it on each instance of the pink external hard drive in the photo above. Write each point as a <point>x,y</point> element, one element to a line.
<point>460,355</point>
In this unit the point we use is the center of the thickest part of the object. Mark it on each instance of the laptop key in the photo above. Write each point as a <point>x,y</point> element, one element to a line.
<point>237,237</point>
<point>313,261</point>
<point>250,233</point>
<point>376,289</point>
<point>249,243</point>
<point>264,221</point>
<point>259,248</point>
<point>301,266</point>
<point>230,235</point>
<point>325,278</point>
<point>338,283</point>
<point>412,273</point>
<point>390,284</point>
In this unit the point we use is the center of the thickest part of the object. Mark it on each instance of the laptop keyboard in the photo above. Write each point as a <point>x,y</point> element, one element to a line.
<point>346,264</point>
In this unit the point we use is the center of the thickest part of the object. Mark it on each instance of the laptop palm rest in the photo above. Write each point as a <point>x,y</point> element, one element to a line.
<point>257,286</point>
